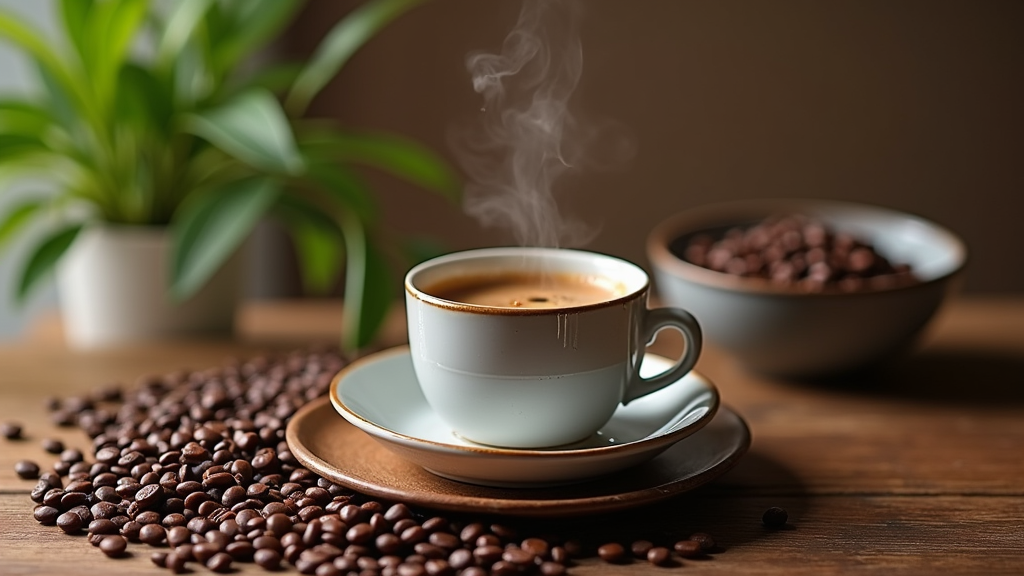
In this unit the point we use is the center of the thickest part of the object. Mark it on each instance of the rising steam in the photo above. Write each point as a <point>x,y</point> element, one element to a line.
<point>528,137</point>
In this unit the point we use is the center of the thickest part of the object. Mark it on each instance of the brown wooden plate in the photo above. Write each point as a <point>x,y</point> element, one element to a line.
<point>328,445</point>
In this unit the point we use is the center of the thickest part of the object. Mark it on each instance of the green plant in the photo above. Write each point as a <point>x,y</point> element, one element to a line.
<point>151,113</point>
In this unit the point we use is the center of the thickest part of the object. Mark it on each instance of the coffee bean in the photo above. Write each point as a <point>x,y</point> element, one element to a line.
<point>705,540</point>
<point>71,455</point>
<point>103,526</point>
<point>177,535</point>
<point>10,430</point>
<point>640,548</point>
<point>46,515</point>
<point>152,534</point>
<point>26,469</point>
<point>148,496</point>
<point>559,555</point>
<point>612,553</point>
<point>159,559</point>
<point>451,542</point>
<point>797,252</point>
<point>659,556</point>
<point>518,557</point>
<point>175,562</point>
<point>131,531</point>
<point>70,523</point>
<point>241,551</point>
<point>267,558</point>
<point>197,460</point>
<point>220,562</point>
<point>461,559</point>
<point>504,568</point>
<point>113,546</point>
<point>775,517</point>
<point>688,548</point>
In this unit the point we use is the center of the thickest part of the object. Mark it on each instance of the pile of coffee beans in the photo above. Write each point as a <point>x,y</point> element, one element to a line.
<point>194,464</point>
<point>796,251</point>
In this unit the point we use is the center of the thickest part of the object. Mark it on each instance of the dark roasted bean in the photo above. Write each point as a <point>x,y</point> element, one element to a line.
<point>612,552</point>
<point>113,546</point>
<point>267,558</point>
<point>659,556</point>
<point>640,548</point>
<point>10,430</point>
<point>518,556</point>
<point>71,455</point>
<point>775,517</point>
<point>46,515</point>
<point>487,555</point>
<point>536,546</point>
<point>688,548</point>
<point>220,562</point>
<point>707,543</point>
<point>70,523</point>
<point>26,469</point>
<point>175,562</point>
<point>159,559</point>
<point>152,534</point>
<point>103,526</point>
<point>445,540</point>
<point>461,559</point>
<point>241,551</point>
<point>131,531</point>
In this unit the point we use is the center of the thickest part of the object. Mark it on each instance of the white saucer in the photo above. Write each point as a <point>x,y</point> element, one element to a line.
<point>379,394</point>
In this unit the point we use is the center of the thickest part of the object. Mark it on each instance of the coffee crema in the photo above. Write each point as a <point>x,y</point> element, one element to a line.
<point>527,290</point>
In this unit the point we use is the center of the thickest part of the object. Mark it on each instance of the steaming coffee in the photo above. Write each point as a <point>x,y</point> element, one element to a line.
<point>528,290</point>
<point>549,371</point>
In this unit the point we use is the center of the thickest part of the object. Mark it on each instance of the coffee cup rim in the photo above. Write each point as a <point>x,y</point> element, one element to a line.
<point>636,289</point>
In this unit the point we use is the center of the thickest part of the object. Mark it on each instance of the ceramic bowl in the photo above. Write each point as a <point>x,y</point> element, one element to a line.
<point>781,330</point>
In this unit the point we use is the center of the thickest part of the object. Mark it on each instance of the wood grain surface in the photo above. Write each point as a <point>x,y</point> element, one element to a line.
<point>915,469</point>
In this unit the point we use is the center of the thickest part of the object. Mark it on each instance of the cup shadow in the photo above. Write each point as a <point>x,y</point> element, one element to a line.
<point>962,377</point>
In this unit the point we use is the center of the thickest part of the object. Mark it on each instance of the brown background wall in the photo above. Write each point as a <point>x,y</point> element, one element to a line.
<point>917,105</point>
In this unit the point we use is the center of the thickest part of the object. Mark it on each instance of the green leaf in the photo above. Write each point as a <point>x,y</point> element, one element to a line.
<point>344,187</point>
<point>20,117</point>
<point>112,27</point>
<point>398,156</point>
<point>13,145</point>
<point>252,128</point>
<point>44,258</point>
<point>369,291</point>
<point>16,219</point>
<point>274,78</point>
<point>36,46</point>
<point>250,25</point>
<point>142,101</point>
<point>75,17</point>
<point>181,24</point>
<point>58,101</point>
<point>318,241</point>
<point>210,228</point>
<point>339,45</point>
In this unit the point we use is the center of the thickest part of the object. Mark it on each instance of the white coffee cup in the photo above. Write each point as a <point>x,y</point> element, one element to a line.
<point>536,377</point>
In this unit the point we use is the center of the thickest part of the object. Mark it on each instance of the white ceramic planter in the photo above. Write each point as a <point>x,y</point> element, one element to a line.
<point>113,289</point>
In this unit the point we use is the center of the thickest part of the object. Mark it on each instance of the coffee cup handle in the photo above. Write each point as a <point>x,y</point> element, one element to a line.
<point>655,320</point>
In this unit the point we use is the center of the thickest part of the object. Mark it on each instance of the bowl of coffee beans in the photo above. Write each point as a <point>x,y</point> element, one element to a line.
<point>805,288</point>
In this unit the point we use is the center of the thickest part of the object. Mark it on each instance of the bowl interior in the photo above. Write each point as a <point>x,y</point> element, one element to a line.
<point>933,252</point>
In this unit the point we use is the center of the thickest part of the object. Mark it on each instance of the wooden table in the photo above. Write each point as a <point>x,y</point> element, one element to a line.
<point>917,471</point>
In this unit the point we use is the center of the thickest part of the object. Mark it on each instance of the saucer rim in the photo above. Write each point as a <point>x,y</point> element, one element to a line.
<point>374,429</point>
<point>554,502</point>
